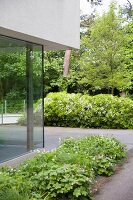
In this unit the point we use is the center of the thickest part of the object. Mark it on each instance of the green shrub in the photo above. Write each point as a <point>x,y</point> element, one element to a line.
<point>100,111</point>
<point>76,110</point>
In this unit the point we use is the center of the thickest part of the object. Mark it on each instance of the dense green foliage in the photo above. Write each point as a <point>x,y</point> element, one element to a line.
<point>66,173</point>
<point>12,195</point>
<point>102,65</point>
<point>104,62</point>
<point>77,110</point>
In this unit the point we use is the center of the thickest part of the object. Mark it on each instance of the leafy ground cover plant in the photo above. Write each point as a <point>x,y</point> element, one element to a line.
<point>67,173</point>
<point>12,195</point>
<point>66,181</point>
<point>11,183</point>
<point>100,111</point>
<point>98,153</point>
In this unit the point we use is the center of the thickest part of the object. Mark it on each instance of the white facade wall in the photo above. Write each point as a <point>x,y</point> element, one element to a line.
<point>52,23</point>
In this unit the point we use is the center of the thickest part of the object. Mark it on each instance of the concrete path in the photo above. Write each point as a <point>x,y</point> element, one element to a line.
<point>120,186</point>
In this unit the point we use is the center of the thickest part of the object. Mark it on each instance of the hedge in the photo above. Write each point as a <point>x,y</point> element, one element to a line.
<point>77,110</point>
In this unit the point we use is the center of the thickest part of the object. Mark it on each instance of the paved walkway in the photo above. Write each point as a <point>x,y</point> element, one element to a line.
<point>120,187</point>
<point>13,138</point>
<point>52,135</point>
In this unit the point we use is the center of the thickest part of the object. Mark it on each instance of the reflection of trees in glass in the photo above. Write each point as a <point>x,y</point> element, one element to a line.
<point>13,74</point>
<point>13,79</point>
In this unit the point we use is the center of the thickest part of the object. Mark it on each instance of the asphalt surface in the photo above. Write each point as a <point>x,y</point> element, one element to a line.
<point>56,133</point>
<point>13,138</point>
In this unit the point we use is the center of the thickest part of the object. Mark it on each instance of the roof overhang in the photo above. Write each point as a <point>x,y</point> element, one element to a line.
<point>54,24</point>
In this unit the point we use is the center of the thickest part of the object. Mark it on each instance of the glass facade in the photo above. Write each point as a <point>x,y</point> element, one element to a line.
<point>21,97</point>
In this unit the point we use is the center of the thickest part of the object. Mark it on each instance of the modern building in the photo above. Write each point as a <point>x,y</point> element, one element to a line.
<point>27,29</point>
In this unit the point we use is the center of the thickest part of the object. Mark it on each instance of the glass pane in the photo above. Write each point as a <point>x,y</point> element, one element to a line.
<point>37,96</point>
<point>13,96</point>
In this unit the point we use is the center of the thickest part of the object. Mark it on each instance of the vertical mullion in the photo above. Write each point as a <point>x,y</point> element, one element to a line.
<point>29,79</point>
<point>43,94</point>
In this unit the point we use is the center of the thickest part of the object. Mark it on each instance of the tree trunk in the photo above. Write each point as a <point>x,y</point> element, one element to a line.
<point>112,91</point>
<point>66,62</point>
<point>112,77</point>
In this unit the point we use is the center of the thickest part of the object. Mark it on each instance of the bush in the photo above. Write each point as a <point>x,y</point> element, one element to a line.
<point>67,173</point>
<point>100,111</point>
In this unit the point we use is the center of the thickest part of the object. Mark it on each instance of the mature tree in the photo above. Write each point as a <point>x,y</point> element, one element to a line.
<point>53,77</point>
<point>102,63</point>
<point>88,19</point>
<point>53,71</point>
<point>128,10</point>
<point>129,53</point>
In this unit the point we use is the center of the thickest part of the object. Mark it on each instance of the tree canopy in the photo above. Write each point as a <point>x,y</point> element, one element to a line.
<point>103,60</point>
<point>103,64</point>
